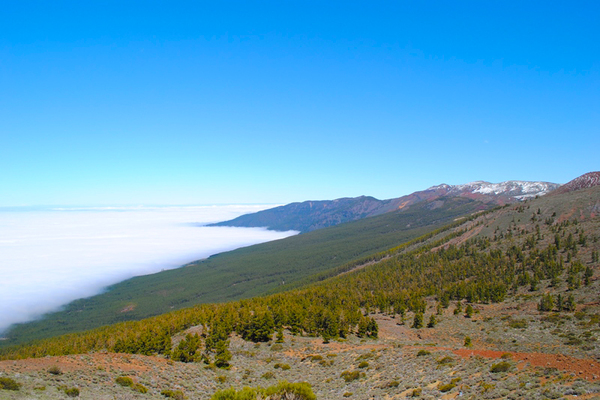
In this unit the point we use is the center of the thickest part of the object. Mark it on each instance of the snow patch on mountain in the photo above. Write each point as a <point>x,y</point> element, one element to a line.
<point>517,189</point>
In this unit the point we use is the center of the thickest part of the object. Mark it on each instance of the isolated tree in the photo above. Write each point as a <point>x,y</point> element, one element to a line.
<point>469,311</point>
<point>432,321</point>
<point>418,321</point>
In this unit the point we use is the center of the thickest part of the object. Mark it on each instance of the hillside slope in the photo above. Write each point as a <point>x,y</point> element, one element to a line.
<point>245,272</point>
<point>312,215</point>
<point>501,305</point>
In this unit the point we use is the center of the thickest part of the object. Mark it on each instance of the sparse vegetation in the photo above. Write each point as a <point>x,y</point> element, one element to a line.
<point>9,384</point>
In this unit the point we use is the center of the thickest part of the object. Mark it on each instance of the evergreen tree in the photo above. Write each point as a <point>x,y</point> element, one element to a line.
<point>418,321</point>
<point>432,321</point>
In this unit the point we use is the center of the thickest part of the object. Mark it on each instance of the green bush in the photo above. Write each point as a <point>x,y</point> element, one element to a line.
<point>9,384</point>
<point>54,370</point>
<point>124,381</point>
<point>446,360</point>
<point>72,392</point>
<point>350,376</point>
<point>416,392</point>
<point>277,347</point>
<point>173,394</point>
<point>283,390</point>
<point>138,387</point>
<point>446,388</point>
<point>502,366</point>
<point>423,353</point>
<point>518,324</point>
<point>363,364</point>
<point>268,375</point>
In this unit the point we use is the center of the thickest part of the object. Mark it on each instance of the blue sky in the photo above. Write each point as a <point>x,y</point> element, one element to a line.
<point>273,102</point>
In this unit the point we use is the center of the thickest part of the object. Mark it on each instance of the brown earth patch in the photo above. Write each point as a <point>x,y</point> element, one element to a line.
<point>585,369</point>
<point>129,308</point>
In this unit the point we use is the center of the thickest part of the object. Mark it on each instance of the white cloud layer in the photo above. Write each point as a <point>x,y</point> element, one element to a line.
<point>51,257</point>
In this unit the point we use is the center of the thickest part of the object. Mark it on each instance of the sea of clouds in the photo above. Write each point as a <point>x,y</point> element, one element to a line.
<point>50,257</point>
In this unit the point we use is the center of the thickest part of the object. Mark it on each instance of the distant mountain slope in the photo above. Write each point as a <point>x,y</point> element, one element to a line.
<point>311,215</point>
<point>584,181</point>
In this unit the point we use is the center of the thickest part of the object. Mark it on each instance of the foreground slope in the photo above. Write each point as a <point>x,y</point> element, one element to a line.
<point>245,272</point>
<point>513,294</point>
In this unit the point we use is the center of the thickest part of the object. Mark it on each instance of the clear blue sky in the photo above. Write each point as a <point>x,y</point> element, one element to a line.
<point>164,102</point>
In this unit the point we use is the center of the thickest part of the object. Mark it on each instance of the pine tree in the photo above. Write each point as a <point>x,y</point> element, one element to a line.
<point>432,321</point>
<point>418,321</point>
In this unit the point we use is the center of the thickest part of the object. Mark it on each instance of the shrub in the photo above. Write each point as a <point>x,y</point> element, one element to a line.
<point>468,342</point>
<point>277,347</point>
<point>350,376</point>
<point>416,392</point>
<point>446,388</point>
<point>54,370</point>
<point>268,375</point>
<point>283,390</point>
<point>124,381</point>
<point>423,353</point>
<point>9,384</point>
<point>363,364</point>
<point>348,394</point>
<point>138,387</point>
<point>518,324</point>
<point>502,366</point>
<point>506,356</point>
<point>391,384</point>
<point>72,392</point>
<point>172,394</point>
<point>221,379</point>
<point>446,360</point>
<point>284,367</point>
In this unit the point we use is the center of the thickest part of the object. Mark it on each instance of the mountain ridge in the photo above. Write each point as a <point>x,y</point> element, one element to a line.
<point>312,215</point>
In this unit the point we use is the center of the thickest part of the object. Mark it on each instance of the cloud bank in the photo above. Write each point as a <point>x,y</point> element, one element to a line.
<point>51,257</point>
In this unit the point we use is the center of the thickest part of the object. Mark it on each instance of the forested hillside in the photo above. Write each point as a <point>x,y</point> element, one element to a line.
<point>521,280</point>
<point>246,272</point>
<point>549,243</point>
